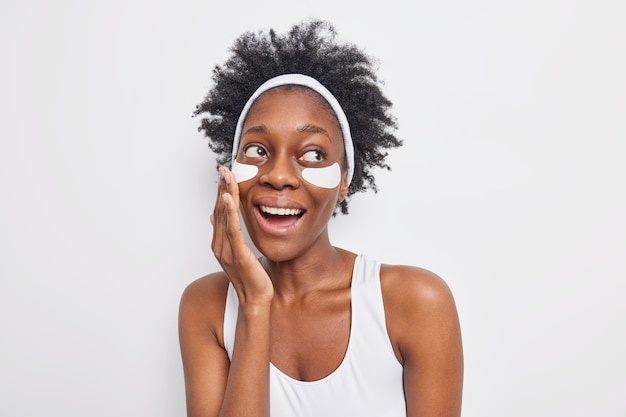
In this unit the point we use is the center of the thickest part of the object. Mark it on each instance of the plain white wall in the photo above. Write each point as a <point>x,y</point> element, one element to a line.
<point>510,186</point>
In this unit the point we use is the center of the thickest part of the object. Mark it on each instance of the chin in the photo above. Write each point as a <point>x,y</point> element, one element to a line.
<point>277,251</point>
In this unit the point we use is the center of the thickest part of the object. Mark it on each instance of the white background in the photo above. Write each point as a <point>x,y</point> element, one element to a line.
<point>510,186</point>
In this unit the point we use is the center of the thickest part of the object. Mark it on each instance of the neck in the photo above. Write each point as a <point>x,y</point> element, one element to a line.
<point>319,270</point>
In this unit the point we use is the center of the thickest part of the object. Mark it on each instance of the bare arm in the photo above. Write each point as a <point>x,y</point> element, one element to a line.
<point>424,327</point>
<point>215,386</point>
<point>205,361</point>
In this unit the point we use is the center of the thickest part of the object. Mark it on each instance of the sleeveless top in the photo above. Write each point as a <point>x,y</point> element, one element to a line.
<point>368,382</point>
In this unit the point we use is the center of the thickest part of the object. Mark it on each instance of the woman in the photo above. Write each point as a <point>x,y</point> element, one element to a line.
<point>308,329</point>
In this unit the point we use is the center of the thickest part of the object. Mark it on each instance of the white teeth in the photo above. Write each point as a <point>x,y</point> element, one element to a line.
<point>280,211</point>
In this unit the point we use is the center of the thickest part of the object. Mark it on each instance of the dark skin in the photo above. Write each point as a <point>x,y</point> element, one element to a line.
<point>294,303</point>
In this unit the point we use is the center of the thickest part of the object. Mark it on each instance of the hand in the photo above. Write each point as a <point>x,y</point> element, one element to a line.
<point>244,270</point>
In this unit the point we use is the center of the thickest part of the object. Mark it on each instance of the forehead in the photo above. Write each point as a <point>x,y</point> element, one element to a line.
<point>309,97</point>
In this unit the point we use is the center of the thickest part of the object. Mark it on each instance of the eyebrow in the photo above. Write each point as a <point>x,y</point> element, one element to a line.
<point>314,129</point>
<point>257,129</point>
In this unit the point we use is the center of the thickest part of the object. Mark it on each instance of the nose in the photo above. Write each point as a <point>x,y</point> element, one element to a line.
<point>280,172</point>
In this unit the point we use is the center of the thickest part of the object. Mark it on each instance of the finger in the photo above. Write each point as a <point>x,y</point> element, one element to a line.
<point>232,186</point>
<point>220,187</point>
<point>233,224</point>
<point>218,201</point>
<point>218,218</point>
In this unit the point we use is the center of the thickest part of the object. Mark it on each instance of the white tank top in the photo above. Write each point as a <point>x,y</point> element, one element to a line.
<point>368,382</point>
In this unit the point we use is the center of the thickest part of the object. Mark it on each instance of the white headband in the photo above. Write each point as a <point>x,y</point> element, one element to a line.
<point>313,84</point>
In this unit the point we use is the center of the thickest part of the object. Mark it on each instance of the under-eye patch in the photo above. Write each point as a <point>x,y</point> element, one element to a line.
<point>326,177</point>
<point>244,172</point>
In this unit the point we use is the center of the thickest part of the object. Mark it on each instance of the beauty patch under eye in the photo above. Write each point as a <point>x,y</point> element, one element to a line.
<point>327,177</point>
<point>244,172</point>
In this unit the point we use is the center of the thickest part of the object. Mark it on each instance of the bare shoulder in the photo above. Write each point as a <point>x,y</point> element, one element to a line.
<point>417,287</point>
<point>202,304</point>
<point>209,286</point>
<point>419,306</point>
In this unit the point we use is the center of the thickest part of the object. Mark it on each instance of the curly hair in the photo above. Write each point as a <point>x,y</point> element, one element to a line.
<point>309,48</point>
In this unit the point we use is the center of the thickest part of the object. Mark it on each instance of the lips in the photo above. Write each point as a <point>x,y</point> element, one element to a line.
<point>278,217</point>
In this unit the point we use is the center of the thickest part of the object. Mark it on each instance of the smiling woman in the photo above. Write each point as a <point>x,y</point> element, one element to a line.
<point>308,329</point>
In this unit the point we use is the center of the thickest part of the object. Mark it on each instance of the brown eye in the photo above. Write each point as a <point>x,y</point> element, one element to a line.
<point>255,151</point>
<point>313,156</point>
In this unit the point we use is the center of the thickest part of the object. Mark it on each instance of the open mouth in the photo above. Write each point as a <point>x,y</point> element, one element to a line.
<point>280,216</point>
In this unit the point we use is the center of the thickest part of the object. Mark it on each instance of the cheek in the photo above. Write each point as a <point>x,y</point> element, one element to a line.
<point>327,177</point>
<point>244,172</point>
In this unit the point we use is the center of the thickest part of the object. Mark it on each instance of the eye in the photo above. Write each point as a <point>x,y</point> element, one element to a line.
<point>255,151</point>
<point>314,155</point>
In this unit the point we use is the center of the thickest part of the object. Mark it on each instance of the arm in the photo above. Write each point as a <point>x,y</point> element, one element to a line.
<point>205,361</point>
<point>214,385</point>
<point>424,328</point>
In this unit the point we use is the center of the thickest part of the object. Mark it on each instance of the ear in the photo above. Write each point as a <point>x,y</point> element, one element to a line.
<point>343,189</point>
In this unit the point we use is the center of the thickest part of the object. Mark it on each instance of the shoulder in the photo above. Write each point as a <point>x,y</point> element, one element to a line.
<point>202,305</point>
<point>419,305</point>
<point>417,287</point>
<point>208,287</point>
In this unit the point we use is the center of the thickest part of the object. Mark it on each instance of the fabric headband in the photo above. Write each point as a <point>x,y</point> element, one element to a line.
<point>313,84</point>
